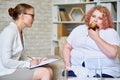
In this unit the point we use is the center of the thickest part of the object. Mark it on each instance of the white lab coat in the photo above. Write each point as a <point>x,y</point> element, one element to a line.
<point>10,50</point>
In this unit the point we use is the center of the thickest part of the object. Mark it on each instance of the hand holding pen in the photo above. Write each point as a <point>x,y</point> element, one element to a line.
<point>35,61</point>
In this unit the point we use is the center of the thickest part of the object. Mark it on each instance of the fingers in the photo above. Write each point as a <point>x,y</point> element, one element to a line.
<point>44,58</point>
<point>37,61</point>
<point>67,68</point>
<point>34,62</point>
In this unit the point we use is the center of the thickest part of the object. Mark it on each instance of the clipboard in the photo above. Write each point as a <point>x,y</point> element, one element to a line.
<point>51,60</point>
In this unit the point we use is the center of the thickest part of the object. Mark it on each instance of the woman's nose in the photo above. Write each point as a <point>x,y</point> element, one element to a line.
<point>95,20</point>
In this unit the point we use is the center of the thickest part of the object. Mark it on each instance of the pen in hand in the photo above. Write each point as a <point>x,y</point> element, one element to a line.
<point>30,57</point>
<point>33,61</point>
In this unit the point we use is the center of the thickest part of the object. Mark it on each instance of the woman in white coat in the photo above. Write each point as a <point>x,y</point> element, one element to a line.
<point>11,47</point>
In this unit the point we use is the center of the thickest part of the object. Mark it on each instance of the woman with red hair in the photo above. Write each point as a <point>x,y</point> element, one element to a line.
<point>94,44</point>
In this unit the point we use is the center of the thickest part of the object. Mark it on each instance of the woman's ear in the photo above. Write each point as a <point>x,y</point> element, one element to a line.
<point>21,16</point>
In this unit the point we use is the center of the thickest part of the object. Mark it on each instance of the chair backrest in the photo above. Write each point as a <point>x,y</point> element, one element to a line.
<point>62,41</point>
<point>119,53</point>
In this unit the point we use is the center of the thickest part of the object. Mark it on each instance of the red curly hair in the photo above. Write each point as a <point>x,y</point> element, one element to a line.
<point>107,19</point>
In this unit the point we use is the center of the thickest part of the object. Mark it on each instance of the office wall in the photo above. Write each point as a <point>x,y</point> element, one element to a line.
<point>38,38</point>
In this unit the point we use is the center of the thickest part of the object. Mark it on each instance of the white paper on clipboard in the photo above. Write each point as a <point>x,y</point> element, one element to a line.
<point>51,60</point>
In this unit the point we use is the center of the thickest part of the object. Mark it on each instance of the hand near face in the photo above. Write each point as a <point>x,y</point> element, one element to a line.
<point>93,34</point>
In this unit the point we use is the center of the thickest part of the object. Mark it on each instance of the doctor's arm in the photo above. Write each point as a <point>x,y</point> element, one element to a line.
<point>8,37</point>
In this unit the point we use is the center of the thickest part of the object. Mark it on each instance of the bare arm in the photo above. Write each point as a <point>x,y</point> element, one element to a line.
<point>66,55</point>
<point>108,49</point>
